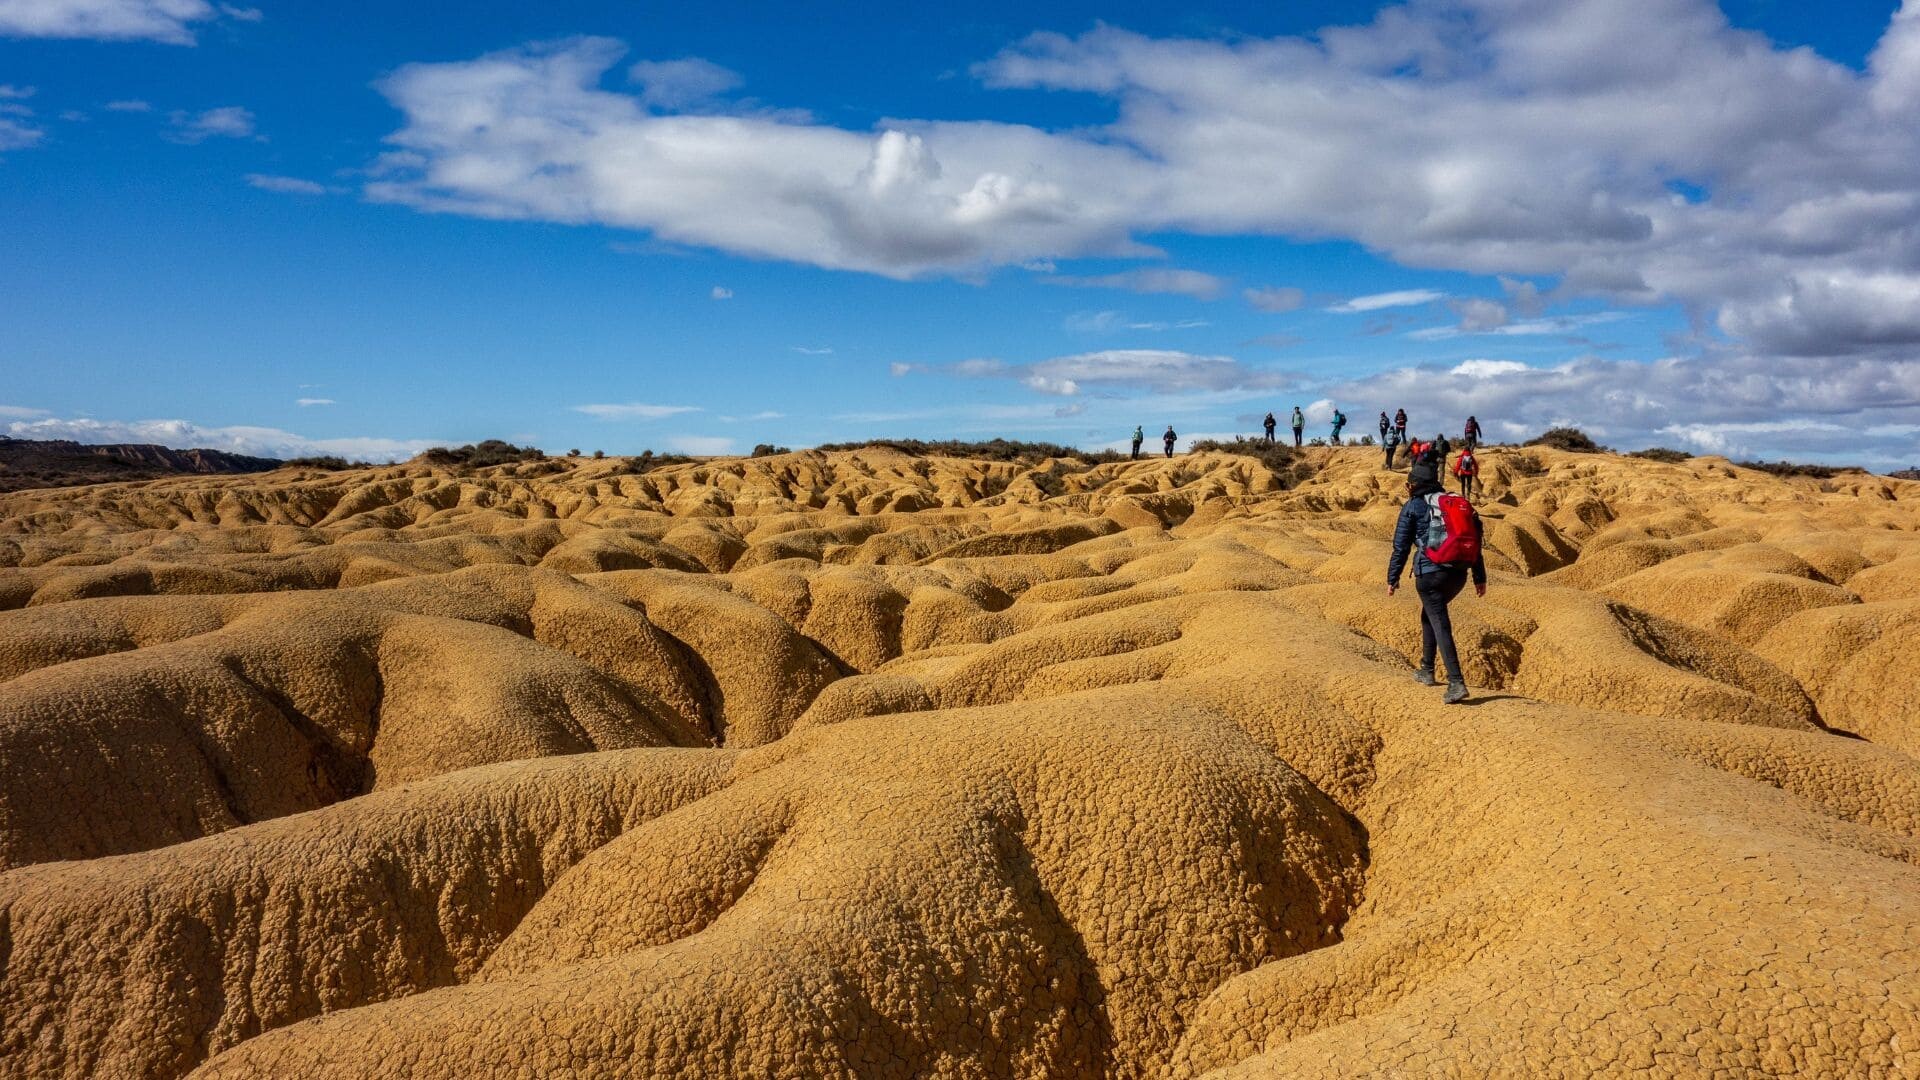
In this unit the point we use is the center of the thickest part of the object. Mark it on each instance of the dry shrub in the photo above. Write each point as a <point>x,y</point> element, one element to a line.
<point>1567,438</point>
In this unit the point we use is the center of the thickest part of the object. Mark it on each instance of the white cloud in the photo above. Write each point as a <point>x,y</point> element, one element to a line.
<point>1275,298</point>
<point>1495,323</point>
<point>1486,369</point>
<point>1542,142</point>
<point>20,412</point>
<point>805,351</point>
<point>242,14</point>
<point>1850,409</point>
<point>10,92</point>
<point>634,410</point>
<point>1378,301</point>
<point>165,21</point>
<point>226,122</point>
<point>1160,370</point>
<point>285,185</point>
<point>1107,322</point>
<point>1150,280</point>
<point>308,402</point>
<point>15,135</point>
<point>701,445</point>
<point>721,292</point>
<point>677,84</point>
<point>129,106</point>
<point>240,439</point>
<point>528,133</point>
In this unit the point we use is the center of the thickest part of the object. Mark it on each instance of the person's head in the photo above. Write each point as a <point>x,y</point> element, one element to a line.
<point>1423,478</point>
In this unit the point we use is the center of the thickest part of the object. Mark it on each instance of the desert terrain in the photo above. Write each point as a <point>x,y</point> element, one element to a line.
<point>878,765</point>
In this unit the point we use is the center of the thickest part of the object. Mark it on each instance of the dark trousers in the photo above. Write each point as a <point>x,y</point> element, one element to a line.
<point>1169,449</point>
<point>1269,434</point>
<point>1400,430</point>
<point>1390,449</point>
<point>1466,487</point>
<point>1296,436</point>
<point>1436,590</point>
<point>1136,449</point>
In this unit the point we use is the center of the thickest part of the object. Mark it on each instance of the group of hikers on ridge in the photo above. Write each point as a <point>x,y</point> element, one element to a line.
<point>1438,531</point>
<point>1393,435</point>
<point>1140,436</point>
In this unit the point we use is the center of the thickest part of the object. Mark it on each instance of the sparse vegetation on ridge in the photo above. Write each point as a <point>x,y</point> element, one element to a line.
<point>1567,438</point>
<point>990,450</point>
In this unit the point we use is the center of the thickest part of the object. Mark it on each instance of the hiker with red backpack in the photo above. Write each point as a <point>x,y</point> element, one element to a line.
<point>1472,432</point>
<point>1442,532</point>
<point>1468,470</point>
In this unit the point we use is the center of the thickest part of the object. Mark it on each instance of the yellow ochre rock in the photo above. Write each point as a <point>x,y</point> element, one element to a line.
<point>869,764</point>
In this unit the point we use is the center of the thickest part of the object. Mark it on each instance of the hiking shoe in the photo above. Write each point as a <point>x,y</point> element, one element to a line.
<point>1456,692</point>
<point>1425,678</point>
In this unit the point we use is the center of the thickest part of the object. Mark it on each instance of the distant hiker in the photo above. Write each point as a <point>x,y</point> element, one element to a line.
<point>1299,422</point>
<point>1269,423</point>
<point>1442,447</point>
<point>1139,436</point>
<point>1472,433</point>
<point>1339,421</point>
<point>1400,423</point>
<point>1443,533</point>
<point>1168,439</point>
<point>1388,440</point>
<point>1386,425</point>
<point>1417,449</point>
<point>1467,469</point>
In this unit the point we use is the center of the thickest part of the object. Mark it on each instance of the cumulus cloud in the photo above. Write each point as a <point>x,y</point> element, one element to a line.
<point>1531,140</point>
<point>1275,298</point>
<point>226,122</point>
<point>1850,409</point>
<point>1381,301</point>
<point>529,133</point>
<point>721,292</point>
<point>168,21</point>
<point>634,410</point>
<point>1192,283</point>
<point>240,439</point>
<point>285,185</point>
<point>10,92</point>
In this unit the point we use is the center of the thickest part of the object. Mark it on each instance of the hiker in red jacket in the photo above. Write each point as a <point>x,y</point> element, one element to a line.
<point>1457,536</point>
<point>1468,470</point>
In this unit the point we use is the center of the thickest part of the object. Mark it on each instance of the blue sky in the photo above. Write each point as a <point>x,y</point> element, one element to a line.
<point>334,228</point>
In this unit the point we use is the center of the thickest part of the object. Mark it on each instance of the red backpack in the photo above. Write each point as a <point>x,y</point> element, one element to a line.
<point>1453,531</point>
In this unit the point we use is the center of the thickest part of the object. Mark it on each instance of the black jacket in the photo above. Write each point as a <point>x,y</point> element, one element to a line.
<point>1406,538</point>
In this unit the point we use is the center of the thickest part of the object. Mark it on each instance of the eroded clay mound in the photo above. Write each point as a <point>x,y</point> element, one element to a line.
<point>864,764</point>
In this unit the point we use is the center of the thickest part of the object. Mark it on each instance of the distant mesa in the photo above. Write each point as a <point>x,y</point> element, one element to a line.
<point>37,463</point>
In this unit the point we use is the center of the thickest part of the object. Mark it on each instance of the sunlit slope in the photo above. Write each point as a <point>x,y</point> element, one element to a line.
<point>879,765</point>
